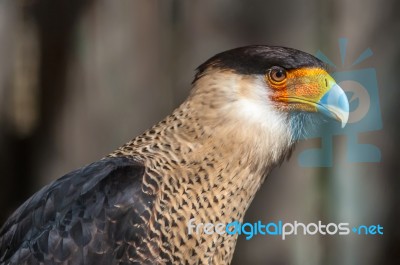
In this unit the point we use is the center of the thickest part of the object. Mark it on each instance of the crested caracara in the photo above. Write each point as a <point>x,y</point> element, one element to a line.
<point>205,161</point>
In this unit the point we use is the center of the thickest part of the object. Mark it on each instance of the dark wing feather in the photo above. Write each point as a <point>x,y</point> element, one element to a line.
<point>94,215</point>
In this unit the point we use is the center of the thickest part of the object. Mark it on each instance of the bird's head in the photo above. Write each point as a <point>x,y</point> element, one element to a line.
<point>272,87</point>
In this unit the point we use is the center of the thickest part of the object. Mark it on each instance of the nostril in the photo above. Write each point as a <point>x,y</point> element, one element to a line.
<point>326,82</point>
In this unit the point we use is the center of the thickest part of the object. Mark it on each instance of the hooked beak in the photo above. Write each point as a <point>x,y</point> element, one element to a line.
<point>334,104</point>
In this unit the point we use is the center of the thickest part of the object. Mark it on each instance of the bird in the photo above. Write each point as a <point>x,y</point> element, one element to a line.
<point>246,109</point>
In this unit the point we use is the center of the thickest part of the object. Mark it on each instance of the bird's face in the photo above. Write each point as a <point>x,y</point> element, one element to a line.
<point>307,89</point>
<point>269,85</point>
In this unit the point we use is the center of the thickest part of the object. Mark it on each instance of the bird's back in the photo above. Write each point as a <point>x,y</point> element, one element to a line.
<point>94,215</point>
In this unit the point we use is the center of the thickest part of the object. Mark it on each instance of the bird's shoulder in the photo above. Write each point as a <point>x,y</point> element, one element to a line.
<point>88,210</point>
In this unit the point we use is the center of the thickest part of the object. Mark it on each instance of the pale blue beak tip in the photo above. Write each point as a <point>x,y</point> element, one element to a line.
<point>334,104</point>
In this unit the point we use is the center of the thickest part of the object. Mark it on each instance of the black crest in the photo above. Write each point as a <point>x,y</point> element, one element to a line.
<point>257,59</point>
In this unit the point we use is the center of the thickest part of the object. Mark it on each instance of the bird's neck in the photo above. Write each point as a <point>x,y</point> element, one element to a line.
<point>213,157</point>
<point>205,163</point>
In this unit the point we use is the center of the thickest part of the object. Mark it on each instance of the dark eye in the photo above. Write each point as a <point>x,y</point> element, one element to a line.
<point>277,75</point>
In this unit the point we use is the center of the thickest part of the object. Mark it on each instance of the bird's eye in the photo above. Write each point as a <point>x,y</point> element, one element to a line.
<point>277,75</point>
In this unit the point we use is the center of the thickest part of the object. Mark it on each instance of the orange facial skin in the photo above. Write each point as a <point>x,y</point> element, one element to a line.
<point>301,89</point>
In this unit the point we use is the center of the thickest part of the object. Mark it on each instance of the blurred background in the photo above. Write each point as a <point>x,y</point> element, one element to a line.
<point>79,78</point>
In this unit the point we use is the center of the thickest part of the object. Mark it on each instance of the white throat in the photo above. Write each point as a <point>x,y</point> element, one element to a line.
<point>248,114</point>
